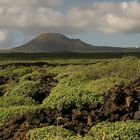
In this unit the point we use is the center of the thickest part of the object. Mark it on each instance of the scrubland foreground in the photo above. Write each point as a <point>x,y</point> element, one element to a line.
<point>73,99</point>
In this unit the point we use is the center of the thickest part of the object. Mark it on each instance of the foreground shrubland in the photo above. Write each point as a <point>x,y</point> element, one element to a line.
<point>71,92</point>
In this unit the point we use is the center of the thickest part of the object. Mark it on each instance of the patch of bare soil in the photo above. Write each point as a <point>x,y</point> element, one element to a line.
<point>121,104</point>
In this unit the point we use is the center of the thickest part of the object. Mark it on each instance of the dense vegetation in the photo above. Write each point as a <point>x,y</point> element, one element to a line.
<point>55,83</point>
<point>65,55</point>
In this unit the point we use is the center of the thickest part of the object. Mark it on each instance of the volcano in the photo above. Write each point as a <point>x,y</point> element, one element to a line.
<point>56,42</point>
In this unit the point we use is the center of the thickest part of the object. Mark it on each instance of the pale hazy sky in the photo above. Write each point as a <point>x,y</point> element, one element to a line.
<point>98,22</point>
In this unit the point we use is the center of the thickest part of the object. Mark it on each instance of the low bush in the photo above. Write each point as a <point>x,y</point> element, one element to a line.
<point>49,133</point>
<point>8,101</point>
<point>24,89</point>
<point>78,91</point>
<point>102,85</point>
<point>34,76</point>
<point>8,113</point>
<point>18,72</point>
<point>116,131</point>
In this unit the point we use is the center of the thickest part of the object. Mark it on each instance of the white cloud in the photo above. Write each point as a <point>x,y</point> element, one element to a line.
<point>108,17</point>
<point>35,16</point>
<point>124,5</point>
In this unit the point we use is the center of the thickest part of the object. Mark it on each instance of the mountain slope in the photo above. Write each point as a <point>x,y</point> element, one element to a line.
<point>55,42</point>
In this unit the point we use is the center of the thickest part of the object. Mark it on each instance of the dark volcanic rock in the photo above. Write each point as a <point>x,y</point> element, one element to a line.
<point>47,82</point>
<point>3,80</point>
<point>137,115</point>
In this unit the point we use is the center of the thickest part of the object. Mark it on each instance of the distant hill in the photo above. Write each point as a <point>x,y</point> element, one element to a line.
<point>56,42</point>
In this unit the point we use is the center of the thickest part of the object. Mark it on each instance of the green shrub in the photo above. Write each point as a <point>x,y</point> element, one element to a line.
<point>7,71</point>
<point>116,131</point>
<point>102,85</point>
<point>78,91</point>
<point>48,133</point>
<point>22,71</point>
<point>34,76</point>
<point>25,89</point>
<point>14,73</point>
<point>8,101</point>
<point>6,114</point>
